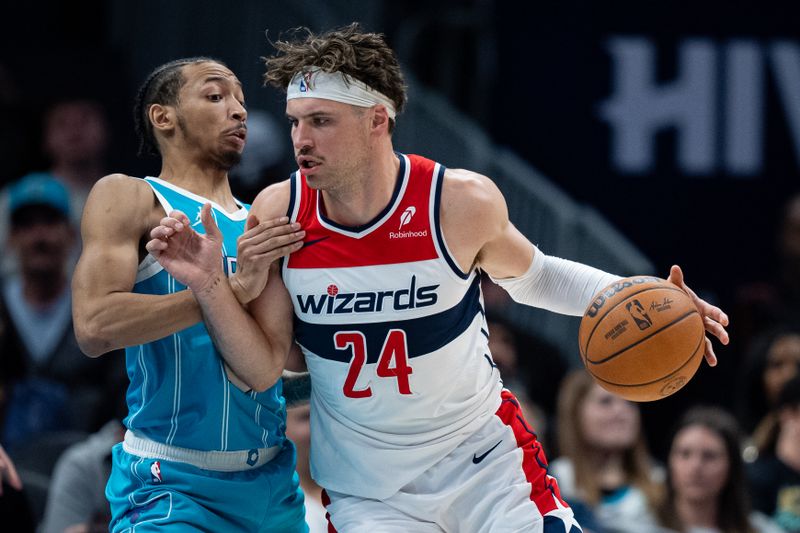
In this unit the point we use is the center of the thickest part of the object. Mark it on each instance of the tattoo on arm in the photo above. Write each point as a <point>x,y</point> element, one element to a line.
<point>296,387</point>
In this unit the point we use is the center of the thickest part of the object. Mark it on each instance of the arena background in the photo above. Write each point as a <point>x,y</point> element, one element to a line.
<point>677,121</point>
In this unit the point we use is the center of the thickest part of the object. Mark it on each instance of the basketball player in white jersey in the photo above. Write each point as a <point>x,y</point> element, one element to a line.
<point>203,417</point>
<point>411,429</point>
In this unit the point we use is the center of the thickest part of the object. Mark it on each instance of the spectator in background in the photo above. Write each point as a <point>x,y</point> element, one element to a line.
<point>17,129</point>
<point>77,497</point>
<point>76,500</point>
<point>761,305</point>
<point>773,359</point>
<point>265,153</point>
<point>528,364</point>
<point>775,476</point>
<point>530,368</point>
<point>46,383</point>
<point>14,507</point>
<point>75,139</point>
<point>503,345</point>
<point>497,301</point>
<point>603,459</point>
<point>706,484</point>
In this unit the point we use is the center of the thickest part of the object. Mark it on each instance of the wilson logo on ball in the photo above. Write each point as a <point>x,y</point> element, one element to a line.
<point>616,288</point>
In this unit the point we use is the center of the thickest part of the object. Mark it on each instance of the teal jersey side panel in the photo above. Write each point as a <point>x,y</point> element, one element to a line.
<point>179,393</point>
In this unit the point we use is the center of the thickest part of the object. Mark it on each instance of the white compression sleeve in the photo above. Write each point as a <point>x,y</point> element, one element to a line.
<point>557,284</point>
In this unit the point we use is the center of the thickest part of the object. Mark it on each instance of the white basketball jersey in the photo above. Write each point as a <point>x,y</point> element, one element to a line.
<point>394,336</point>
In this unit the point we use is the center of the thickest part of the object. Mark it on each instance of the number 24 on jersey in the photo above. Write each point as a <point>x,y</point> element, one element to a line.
<point>392,363</point>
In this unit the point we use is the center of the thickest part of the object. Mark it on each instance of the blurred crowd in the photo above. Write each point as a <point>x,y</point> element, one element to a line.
<point>726,462</point>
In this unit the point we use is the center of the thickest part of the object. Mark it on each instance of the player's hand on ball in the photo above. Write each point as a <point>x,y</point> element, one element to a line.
<point>642,338</point>
<point>714,319</point>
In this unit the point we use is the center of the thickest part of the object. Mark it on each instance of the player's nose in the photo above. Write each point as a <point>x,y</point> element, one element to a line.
<point>238,112</point>
<point>301,138</point>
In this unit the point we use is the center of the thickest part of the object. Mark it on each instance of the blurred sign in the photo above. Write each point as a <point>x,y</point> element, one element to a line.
<point>680,122</point>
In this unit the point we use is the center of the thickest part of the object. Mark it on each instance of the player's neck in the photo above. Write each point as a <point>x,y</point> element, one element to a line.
<point>360,200</point>
<point>204,180</point>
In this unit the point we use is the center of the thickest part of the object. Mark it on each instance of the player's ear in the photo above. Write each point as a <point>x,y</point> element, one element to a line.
<point>162,117</point>
<point>380,118</point>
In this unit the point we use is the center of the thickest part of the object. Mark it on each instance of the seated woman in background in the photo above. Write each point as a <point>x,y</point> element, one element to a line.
<point>706,483</point>
<point>604,462</point>
<point>773,359</point>
<point>775,476</point>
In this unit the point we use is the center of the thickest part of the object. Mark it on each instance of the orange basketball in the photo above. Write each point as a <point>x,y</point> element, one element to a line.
<point>642,338</point>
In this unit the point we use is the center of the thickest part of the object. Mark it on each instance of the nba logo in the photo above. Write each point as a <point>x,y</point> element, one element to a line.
<point>305,82</point>
<point>155,471</point>
<point>636,309</point>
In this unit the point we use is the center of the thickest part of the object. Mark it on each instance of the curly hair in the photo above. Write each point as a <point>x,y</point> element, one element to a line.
<point>161,86</point>
<point>361,55</point>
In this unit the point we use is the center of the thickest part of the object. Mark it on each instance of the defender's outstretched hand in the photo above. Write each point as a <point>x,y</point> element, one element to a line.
<point>260,245</point>
<point>191,258</point>
<point>714,319</point>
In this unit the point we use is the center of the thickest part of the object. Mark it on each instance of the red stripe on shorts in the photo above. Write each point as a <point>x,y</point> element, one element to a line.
<point>326,501</point>
<point>544,489</point>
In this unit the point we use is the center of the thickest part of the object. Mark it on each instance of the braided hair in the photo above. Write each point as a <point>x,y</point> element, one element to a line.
<point>161,86</point>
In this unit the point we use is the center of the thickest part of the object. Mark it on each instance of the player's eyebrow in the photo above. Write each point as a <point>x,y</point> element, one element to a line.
<point>312,114</point>
<point>221,79</point>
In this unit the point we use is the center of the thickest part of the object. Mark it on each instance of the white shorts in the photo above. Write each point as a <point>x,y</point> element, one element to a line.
<point>495,481</point>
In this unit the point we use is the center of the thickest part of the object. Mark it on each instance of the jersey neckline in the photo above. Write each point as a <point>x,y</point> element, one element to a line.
<point>239,214</point>
<point>365,229</point>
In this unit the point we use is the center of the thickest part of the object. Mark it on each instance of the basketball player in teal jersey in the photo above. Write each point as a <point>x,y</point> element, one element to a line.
<point>205,446</point>
<point>411,427</point>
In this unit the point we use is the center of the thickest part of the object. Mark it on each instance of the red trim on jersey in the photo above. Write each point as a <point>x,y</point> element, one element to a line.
<point>534,462</point>
<point>326,501</point>
<point>331,248</point>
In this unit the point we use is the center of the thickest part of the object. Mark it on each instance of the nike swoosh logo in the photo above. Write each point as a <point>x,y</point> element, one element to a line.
<point>478,458</point>
<point>315,241</point>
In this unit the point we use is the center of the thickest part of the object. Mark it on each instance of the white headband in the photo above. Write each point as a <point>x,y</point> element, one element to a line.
<point>336,86</point>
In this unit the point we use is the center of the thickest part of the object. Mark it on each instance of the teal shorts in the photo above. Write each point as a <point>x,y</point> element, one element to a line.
<point>174,496</point>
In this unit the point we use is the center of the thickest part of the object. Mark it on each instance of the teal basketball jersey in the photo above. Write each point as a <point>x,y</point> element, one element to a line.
<point>179,393</point>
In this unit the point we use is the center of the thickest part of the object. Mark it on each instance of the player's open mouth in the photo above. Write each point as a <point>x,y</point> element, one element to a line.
<point>239,132</point>
<point>306,163</point>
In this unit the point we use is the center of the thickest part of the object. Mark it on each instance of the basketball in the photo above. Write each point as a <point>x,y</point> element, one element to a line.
<point>642,338</point>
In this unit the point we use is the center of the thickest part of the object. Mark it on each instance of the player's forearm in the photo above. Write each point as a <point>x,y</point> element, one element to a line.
<point>557,284</point>
<point>123,319</point>
<point>255,358</point>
